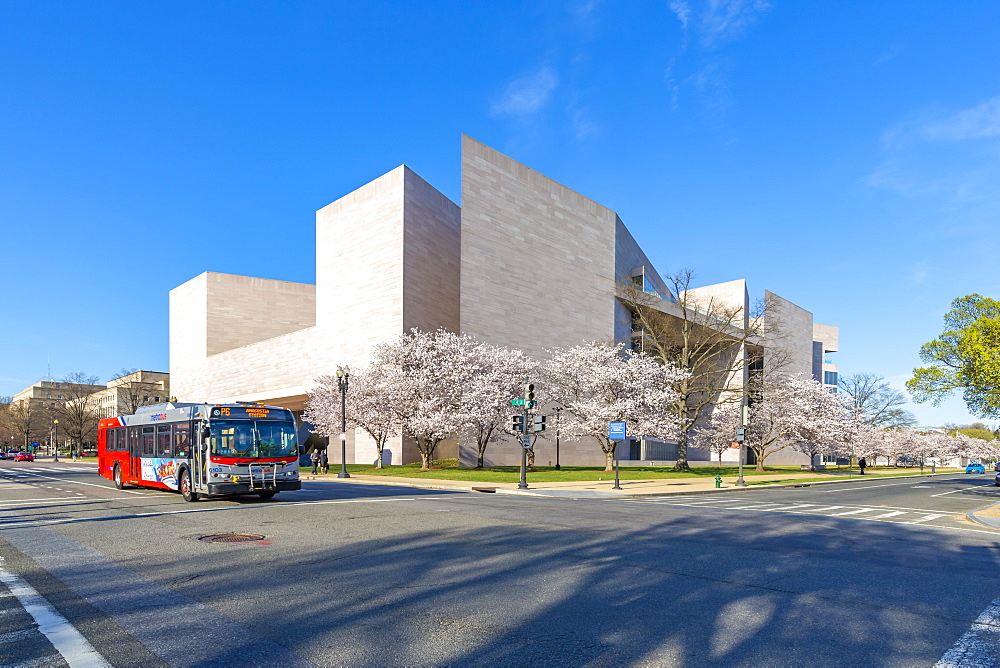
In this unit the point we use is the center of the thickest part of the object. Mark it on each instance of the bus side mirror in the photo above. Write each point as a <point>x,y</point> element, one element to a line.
<point>206,433</point>
<point>302,449</point>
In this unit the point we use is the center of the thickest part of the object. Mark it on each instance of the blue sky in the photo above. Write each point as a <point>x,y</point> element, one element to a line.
<point>843,155</point>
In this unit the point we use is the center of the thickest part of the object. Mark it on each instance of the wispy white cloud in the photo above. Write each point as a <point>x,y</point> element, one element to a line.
<point>527,94</point>
<point>682,10</point>
<point>953,154</point>
<point>978,122</point>
<point>583,126</point>
<point>709,25</point>
<point>722,21</point>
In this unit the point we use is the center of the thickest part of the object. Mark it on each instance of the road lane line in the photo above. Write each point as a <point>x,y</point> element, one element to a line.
<point>853,512</point>
<point>73,520</point>
<point>850,489</point>
<point>73,647</point>
<point>819,510</point>
<point>980,645</point>
<point>89,484</point>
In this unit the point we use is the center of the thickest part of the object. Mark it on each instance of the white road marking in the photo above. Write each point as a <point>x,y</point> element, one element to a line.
<point>926,519</point>
<point>73,520</point>
<point>892,514</point>
<point>853,487</point>
<point>819,510</point>
<point>60,499</point>
<point>89,484</point>
<point>980,646</point>
<point>73,647</point>
<point>853,512</point>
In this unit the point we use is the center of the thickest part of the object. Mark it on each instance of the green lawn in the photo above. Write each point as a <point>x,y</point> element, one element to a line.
<point>449,470</point>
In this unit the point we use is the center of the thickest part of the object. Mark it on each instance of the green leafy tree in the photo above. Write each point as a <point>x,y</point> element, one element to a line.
<point>965,357</point>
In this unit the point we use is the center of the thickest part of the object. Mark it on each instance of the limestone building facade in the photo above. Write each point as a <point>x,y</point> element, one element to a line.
<point>397,254</point>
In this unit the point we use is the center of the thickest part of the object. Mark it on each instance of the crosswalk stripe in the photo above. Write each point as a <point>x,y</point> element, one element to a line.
<point>892,514</point>
<point>854,512</point>
<point>927,518</point>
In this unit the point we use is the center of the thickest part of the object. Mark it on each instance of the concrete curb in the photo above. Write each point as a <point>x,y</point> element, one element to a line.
<point>991,522</point>
<point>588,494</point>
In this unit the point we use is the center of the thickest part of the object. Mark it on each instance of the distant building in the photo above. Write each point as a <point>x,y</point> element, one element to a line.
<point>47,394</point>
<point>524,262</point>
<point>124,395</point>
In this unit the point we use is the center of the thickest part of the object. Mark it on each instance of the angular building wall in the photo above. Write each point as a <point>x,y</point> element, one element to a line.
<point>538,259</point>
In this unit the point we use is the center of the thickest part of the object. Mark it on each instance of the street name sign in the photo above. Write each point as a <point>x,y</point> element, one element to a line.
<point>616,431</point>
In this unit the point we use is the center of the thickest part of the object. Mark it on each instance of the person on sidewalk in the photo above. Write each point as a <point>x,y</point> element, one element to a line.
<point>324,461</point>
<point>314,458</point>
<point>862,464</point>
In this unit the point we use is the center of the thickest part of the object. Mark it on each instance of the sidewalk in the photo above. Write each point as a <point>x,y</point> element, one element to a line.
<point>603,488</point>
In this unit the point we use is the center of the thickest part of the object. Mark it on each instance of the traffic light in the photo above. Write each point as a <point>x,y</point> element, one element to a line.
<point>741,435</point>
<point>529,395</point>
<point>518,423</point>
<point>538,423</point>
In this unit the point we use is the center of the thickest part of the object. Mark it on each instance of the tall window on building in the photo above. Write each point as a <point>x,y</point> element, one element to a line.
<point>829,377</point>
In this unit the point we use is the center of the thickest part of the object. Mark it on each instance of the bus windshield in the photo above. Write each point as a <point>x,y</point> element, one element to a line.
<point>251,438</point>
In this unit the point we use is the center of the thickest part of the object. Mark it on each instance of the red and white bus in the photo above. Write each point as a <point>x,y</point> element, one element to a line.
<point>202,449</point>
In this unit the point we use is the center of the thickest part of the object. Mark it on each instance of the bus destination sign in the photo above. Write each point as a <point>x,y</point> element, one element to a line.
<point>249,412</point>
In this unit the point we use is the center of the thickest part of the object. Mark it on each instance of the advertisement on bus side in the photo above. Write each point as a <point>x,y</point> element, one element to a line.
<point>160,470</point>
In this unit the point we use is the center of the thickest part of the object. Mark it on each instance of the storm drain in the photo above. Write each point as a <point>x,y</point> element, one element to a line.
<point>232,538</point>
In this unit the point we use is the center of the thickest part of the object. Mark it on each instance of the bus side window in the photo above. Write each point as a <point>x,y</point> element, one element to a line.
<point>148,441</point>
<point>134,442</point>
<point>163,440</point>
<point>182,439</point>
<point>109,439</point>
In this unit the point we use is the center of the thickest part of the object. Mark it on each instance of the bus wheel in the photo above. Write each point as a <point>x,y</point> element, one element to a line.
<point>185,485</point>
<point>266,495</point>
<point>118,477</point>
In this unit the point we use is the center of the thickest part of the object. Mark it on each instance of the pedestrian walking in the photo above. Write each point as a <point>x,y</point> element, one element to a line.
<point>314,458</point>
<point>324,461</point>
<point>862,464</point>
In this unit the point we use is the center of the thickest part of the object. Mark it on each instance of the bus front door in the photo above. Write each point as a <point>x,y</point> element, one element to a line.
<point>198,479</point>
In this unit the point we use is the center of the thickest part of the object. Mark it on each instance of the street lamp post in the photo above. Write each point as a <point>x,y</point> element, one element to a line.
<point>343,375</point>
<point>744,423</point>
<point>55,444</point>
<point>558,413</point>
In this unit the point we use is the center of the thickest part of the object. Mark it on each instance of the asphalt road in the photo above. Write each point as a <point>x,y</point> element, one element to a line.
<point>352,574</point>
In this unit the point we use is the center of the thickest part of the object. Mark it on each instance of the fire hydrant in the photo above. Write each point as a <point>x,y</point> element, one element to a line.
<point>718,481</point>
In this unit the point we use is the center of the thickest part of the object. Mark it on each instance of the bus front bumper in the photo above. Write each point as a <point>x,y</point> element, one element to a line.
<point>244,487</point>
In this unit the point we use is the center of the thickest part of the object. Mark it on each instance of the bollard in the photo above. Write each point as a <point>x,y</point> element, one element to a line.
<point>718,481</point>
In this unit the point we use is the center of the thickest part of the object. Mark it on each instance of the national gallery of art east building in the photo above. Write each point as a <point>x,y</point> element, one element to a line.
<point>396,254</point>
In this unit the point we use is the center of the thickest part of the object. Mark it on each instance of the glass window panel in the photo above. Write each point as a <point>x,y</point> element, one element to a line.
<point>163,440</point>
<point>148,441</point>
<point>182,439</point>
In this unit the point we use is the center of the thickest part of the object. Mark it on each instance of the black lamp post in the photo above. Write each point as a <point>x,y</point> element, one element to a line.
<point>343,374</point>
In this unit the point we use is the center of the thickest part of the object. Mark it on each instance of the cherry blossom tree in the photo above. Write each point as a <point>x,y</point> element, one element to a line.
<point>787,410</point>
<point>598,383</point>
<point>828,424</point>
<point>493,376</point>
<point>425,373</point>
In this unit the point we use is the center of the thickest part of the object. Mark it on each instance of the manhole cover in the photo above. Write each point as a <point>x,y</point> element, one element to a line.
<point>232,538</point>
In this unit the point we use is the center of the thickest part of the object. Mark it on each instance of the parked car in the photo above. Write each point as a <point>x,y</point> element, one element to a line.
<point>89,453</point>
<point>996,481</point>
<point>24,457</point>
<point>975,468</point>
<point>4,455</point>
